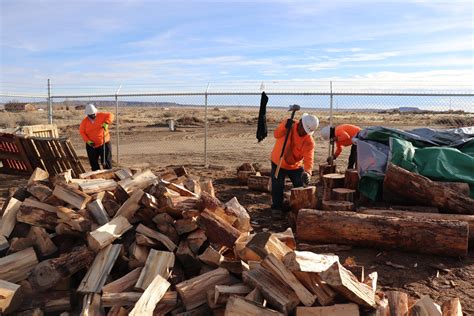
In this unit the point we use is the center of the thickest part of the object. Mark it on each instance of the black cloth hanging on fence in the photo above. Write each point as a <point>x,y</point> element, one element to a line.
<point>262,118</point>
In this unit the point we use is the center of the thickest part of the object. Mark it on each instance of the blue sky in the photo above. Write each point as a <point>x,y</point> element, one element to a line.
<point>189,43</point>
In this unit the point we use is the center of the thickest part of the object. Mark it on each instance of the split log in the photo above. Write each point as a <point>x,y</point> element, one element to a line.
<point>37,217</point>
<point>91,305</point>
<point>120,299</point>
<point>166,227</point>
<point>30,202</point>
<point>97,185</point>
<point>335,310</point>
<point>137,255</point>
<point>10,297</point>
<point>223,292</point>
<point>273,265</point>
<point>179,189</point>
<point>8,219</point>
<point>343,194</point>
<point>312,281</point>
<point>107,233</point>
<point>303,198</point>
<point>265,243</point>
<point>187,258</point>
<point>184,226</point>
<point>260,183</point>
<point>3,243</point>
<point>240,306</point>
<point>142,229</point>
<point>234,266</point>
<point>206,186</point>
<point>157,263</point>
<point>180,171</point>
<point>49,302</point>
<point>287,237</point>
<point>73,219</point>
<point>15,267</point>
<point>49,272</point>
<point>412,234</point>
<point>325,169</point>
<point>175,204</point>
<point>62,177</point>
<point>139,180</point>
<point>422,190</point>
<point>99,174</point>
<point>211,257</point>
<point>344,282</point>
<point>123,283</point>
<point>131,205</point>
<point>217,230</point>
<point>117,311</point>
<point>426,306</point>
<point>150,201</point>
<point>143,240</point>
<point>351,179</point>
<point>331,181</point>
<point>273,290</point>
<point>152,295</point>
<point>246,166</point>
<point>75,197</point>
<point>98,272</point>
<point>332,205</point>
<point>452,307</point>
<point>207,201</point>
<point>193,291</point>
<point>398,303</point>
<point>255,296</point>
<point>430,216</point>
<point>123,173</point>
<point>38,175</point>
<point>98,212</point>
<point>196,240</point>
<point>307,261</point>
<point>242,218</point>
<point>40,191</point>
<point>243,176</point>
<point>460,187</point>
<point>38,238</point>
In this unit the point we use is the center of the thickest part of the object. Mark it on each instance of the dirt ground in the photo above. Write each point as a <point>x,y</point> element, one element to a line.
<point>439,277</point>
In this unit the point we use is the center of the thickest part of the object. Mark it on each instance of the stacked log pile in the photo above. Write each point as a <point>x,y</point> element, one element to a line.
<point>118,242</point>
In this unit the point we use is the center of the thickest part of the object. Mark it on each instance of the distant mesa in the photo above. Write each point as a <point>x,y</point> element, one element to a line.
<point>404,109</point>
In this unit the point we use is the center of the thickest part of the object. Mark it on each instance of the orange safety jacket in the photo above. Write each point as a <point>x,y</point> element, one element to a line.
<point>344,134</point>
<point>93,130</point>
<point>299,150</point>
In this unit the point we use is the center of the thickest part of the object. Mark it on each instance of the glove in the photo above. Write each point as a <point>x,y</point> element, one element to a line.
<point>329,159</point>
<point>90,143</point>
<point>105,126</point>
<point>289,123</point>
<point>306,178</point>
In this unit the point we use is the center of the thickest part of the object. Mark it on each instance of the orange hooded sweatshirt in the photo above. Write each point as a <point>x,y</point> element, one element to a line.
<point>344,135</point>
<point>94,131</point>
<point>299,150</point>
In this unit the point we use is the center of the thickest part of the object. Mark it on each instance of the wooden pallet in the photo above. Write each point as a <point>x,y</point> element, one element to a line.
<point>22,154</point>
<point>46,130</point>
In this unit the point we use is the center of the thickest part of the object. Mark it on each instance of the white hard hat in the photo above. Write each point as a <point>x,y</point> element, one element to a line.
<point>325,132</point>
<point>91,109</point>
<point>310,123</point>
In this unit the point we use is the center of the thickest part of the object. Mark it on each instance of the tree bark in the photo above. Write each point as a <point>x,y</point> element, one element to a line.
<point>331,181</point>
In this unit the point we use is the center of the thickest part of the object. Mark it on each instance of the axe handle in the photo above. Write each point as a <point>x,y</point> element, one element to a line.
<point>277,171</point>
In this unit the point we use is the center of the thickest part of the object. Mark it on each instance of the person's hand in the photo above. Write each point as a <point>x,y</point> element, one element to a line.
<point>105,126</point>
<point>289,123</point>
<point>330,159</point>
<point>306,177</point>
<point>90,143</point>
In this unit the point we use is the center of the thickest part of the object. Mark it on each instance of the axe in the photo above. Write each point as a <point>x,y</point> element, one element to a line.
<point>332,140</point>
<point>293,109</point>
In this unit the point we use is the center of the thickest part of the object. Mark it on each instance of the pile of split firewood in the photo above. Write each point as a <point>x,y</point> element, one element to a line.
<point>117,242</point>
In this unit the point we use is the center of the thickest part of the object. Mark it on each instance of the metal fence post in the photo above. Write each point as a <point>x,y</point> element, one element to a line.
<point>50,104</point>
<point>117,125</point>
<point>330,114</point>
<point>205,126</point>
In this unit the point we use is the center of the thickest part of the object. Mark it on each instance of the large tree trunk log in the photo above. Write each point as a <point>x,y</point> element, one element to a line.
<point>412,234</point>
<point>422,190</point>
<point>430,216</point>
<point>49,272</point>
<point>331,181</point>
<point>338,206</point>
<point>351,179</point>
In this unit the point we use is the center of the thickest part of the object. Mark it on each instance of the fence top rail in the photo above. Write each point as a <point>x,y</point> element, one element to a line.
<point>23,95</point>
<point>408,94</point>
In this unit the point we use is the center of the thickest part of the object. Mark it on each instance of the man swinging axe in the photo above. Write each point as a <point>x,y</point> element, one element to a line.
<point>292,155</point>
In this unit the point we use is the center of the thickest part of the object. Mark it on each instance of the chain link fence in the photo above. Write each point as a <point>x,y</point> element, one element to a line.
<point>218,125</point>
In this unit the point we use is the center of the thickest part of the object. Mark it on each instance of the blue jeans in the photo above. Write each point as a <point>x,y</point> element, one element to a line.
<point>278,185</point>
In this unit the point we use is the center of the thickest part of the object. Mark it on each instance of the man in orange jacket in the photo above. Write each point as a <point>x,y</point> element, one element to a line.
<point>94,131</point>
<point>343,134</point>
<point>298,158</point>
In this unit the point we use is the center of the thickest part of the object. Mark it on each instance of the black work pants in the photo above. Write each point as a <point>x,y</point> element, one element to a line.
<point>352,157</point>
<point>278,184</point>
<point>97,154</point>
